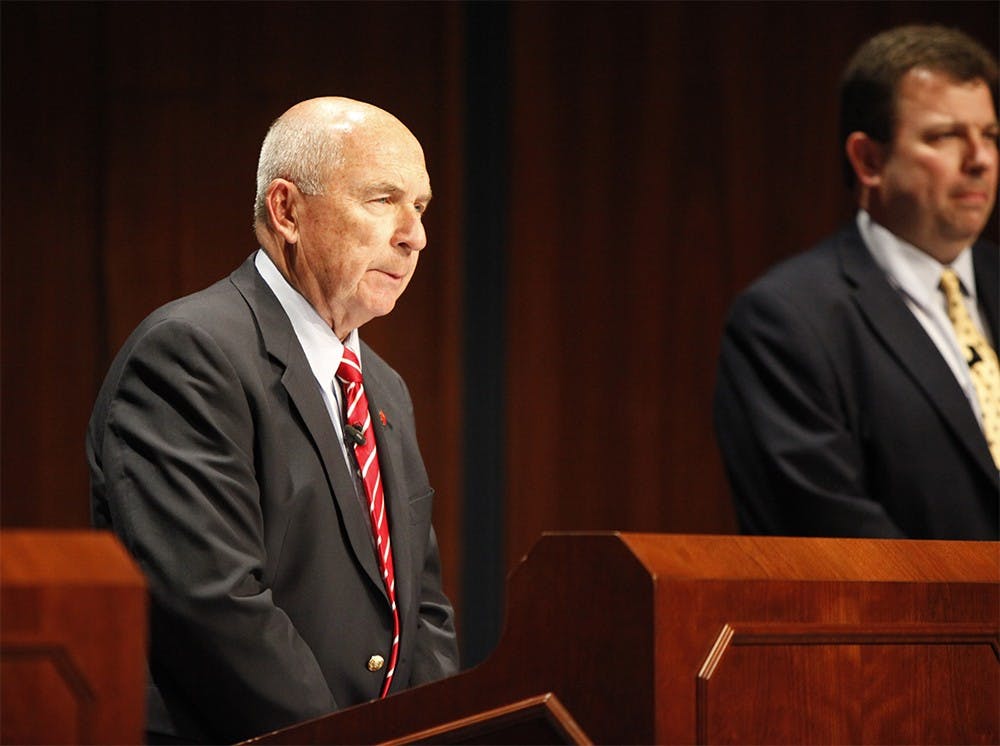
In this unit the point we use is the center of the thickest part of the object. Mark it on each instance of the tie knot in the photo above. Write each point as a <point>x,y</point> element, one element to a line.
<point>951,285</point>
<point>350,369</point>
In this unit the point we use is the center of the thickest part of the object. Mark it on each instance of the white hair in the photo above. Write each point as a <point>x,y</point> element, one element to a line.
<point>303,150</point>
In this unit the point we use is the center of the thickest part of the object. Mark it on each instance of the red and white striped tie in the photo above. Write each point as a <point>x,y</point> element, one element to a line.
<point>358,419</point>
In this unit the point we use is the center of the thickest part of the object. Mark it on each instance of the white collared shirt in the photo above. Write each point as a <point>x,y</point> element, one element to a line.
<point>323,349</point>
<point>917,277</point>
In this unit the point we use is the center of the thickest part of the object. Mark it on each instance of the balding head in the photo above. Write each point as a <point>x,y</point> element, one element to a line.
<point>341,192</point>
<point>309,142</point>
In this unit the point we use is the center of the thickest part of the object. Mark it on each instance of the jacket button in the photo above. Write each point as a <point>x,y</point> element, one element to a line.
<point>375,663</point>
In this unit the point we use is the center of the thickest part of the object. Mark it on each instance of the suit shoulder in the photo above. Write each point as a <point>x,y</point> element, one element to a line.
<point>805,283</point>
<point>214,322</point>
<point>219,311</point>
<point>215,305</point>
<point>218,306</point>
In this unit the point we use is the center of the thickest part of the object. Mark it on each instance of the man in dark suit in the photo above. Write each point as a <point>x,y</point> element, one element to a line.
<point>218,453</point>
<point>846,403</point>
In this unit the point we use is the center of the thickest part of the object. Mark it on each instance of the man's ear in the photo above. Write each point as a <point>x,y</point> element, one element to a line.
<point>867,158</point>
<point>283,201</point>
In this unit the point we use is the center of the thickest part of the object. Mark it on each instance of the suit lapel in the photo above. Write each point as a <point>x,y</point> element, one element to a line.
<point>390,459</point>
<point>303,391</point>
<point>985,260</point>
<point>903,335</point>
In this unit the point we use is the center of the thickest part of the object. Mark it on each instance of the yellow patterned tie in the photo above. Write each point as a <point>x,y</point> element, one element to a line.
<point>982,360</point>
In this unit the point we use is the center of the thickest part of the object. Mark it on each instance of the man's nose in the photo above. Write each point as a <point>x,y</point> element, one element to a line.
<point>410,232</point>
<point>982,154</point>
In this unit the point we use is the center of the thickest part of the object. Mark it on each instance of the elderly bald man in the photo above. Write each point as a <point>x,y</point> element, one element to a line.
<point>260,462</point>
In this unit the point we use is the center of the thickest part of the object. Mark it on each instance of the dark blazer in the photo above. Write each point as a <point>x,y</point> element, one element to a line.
<point>213,458</point>
<point>837,416</point>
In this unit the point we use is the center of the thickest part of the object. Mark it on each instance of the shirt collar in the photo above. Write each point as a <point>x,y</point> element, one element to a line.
<point>322,347</point>
<point>913,271</point>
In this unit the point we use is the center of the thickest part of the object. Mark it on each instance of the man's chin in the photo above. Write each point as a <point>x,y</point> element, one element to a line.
<point>966,225</point>
<point>381,307</point>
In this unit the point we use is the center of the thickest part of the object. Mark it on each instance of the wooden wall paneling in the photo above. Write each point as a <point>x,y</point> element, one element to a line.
<point>185,130</point>
<point>534,282</point>
<point>783,184</point>
<point>51,294</point>
<point>686,232</point>
<point>614,148</point>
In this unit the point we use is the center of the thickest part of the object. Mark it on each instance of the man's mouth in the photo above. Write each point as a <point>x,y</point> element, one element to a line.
<point>972,196</point>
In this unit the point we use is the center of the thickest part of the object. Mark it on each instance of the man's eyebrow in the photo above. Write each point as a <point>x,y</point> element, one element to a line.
<point>945,121</point>
<point>388,187</point>
<point>382,187</point>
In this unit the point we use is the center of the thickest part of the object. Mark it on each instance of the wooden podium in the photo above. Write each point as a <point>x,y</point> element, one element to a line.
<point>641,638</point>
<point>72,639</point>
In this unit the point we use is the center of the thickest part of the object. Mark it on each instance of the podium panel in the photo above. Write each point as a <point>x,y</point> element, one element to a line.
<point>857,687</point>
<point>666,639</point>
<point>72,639</point>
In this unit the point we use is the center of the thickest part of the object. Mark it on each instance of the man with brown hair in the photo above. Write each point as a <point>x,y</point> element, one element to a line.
<point>856,391</point>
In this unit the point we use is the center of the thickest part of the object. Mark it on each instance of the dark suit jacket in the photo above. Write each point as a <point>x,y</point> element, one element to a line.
<point>837,416</point>
<point>214,460</point>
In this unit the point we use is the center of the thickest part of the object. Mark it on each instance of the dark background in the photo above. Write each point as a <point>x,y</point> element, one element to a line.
<point>607,177</point>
